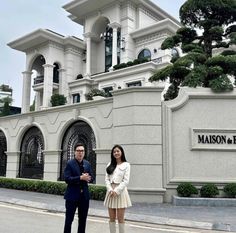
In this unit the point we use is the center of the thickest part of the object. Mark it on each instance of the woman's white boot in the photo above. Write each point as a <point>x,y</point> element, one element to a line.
<point>121,228</point>
<point>112,226</point>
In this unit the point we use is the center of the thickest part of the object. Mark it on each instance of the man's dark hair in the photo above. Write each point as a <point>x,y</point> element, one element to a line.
<point>78,144</point>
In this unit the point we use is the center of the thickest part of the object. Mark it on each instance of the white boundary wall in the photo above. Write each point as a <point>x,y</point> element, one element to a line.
<point>199,138</point>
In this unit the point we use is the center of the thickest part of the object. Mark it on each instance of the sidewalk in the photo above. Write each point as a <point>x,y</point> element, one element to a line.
<point>211,218</point>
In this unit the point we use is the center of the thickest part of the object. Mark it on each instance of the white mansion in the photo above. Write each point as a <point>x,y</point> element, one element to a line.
<point>160,139</point>
<point>115,32</point>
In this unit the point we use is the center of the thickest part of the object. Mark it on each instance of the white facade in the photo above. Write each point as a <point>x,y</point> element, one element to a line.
<point>134,26</point>
<point>188,139</point>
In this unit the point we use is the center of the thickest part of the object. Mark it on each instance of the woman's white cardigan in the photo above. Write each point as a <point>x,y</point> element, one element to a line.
<point>120,176</point>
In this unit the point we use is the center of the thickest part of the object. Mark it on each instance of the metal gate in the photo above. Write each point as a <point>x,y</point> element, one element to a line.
<point>3,156</point>
<point>79,132</point>
<point>31,156</point>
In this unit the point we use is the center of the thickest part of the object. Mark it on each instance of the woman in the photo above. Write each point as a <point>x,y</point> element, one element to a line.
<point>117,197</point>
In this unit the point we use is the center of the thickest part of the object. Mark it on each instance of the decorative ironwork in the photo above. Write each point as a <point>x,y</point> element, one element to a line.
<point>31,156</point>
<point>3,156</point>
<point>79,132</point>
<point>39,79</point>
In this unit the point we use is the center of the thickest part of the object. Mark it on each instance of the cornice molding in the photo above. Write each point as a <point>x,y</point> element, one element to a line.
<point>165,24</point>
<point>152,37</point>
<point>148,66</point>
<point>149,13</point>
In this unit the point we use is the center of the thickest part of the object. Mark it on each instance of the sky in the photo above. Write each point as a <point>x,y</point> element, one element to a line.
<point>20,17</point>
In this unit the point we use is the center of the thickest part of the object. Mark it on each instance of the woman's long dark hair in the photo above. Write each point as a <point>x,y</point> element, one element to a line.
<point>110,169</point>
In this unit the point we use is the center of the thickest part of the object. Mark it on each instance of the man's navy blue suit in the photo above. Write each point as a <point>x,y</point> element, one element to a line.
<point>77,194</point>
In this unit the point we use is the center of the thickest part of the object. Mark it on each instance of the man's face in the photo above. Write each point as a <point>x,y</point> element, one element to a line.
<point>79,153</point>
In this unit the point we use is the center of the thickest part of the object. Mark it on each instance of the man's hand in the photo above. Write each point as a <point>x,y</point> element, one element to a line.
<point>86,177</point>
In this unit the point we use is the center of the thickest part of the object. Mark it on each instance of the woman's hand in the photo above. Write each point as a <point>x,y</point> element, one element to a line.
<point>113,193</point>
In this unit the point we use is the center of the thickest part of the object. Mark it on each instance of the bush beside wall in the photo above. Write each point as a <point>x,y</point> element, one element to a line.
<point>207,190</point>
<point>58,188</point>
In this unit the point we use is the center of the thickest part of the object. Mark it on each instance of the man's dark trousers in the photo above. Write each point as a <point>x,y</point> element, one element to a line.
<point>71,206</point>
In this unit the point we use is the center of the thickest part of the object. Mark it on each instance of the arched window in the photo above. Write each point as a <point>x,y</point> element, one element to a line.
<point>145,53</point>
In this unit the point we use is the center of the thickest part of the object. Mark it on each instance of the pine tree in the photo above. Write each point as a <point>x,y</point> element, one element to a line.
<point>206,26</point>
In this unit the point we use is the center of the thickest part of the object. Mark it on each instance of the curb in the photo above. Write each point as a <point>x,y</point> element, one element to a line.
<point>200,201</point>
<point>129,216</point>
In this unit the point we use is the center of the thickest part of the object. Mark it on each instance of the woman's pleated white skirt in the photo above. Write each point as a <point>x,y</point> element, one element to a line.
<point>119,201</point>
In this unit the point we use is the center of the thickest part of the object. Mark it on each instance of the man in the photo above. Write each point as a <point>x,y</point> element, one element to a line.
<point>77,175</point>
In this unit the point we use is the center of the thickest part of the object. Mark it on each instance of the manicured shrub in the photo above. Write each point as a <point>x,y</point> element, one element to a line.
<point>97,192</point>
<point>186,190</point>
<point>209,190</point>
<point>120,66</point>
<point>136,61</point>
<point>130,63</point>
<point>58,188</point>
<point>95,92</point>
<point>57,100</point>
<point>230,189</point>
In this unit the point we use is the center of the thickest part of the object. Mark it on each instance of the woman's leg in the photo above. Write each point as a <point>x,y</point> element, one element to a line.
<point>121,219</point>
<point>121,215</point>
<point>112,214</point>
<point>112,222</point>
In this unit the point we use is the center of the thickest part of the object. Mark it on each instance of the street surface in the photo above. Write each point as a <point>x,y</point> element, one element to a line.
<point>28,220</point>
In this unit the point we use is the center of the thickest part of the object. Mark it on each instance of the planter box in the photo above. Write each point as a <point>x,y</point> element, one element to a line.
<point>201,201</point>
<point>98,97</point>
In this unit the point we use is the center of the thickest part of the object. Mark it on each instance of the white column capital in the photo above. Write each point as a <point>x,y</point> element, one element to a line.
<point>27,73</point>
<point>48,66</point>
<point>62,70</point>
<point>89,35</point>
<point>114,25</point>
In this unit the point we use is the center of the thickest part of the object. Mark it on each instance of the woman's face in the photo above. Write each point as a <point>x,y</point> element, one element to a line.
<point>117,153</point>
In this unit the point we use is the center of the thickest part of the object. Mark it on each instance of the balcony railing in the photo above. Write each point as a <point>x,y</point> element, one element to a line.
<point>38,79</point>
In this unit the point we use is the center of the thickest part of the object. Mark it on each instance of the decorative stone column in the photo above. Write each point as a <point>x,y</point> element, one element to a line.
<point>103,158</point>
<point>88,37</point>
<point>26,91</point>
<point>51,165</point>
<point>37,100</point>
<point>63,88</point>
<point>12,164</point>
<point>115,27</point>
<point>47,85</point>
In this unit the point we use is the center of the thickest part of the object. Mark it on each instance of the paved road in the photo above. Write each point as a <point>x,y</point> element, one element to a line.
<point>29,220</point>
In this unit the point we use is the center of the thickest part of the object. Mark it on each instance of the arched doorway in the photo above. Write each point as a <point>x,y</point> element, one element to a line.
<point>79,132</point>
<point>3,156</point>
<point>31,156</point>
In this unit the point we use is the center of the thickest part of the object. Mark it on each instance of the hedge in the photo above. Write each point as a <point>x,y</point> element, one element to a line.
<point>58,188</point>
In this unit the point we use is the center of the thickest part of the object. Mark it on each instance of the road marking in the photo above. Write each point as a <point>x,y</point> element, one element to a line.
<point>29,209</point>
<point>94,219</point>
<point>160,229</point>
